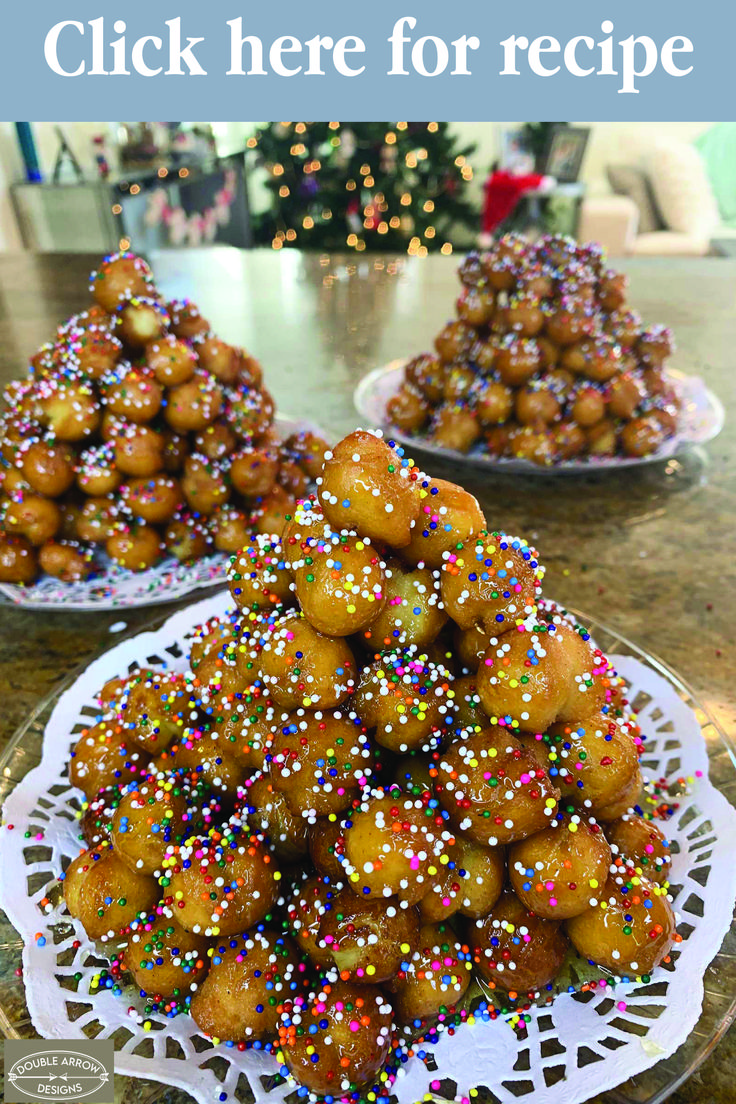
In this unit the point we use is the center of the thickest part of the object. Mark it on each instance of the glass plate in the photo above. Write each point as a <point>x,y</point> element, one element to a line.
<point>114,587</point>
<point>702,419</point>
<point>650,1087</point>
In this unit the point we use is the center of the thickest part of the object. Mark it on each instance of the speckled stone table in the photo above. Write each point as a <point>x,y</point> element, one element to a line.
<point>649,551</point>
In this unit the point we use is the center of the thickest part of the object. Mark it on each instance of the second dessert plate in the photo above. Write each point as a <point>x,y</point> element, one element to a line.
<point>701,419</point>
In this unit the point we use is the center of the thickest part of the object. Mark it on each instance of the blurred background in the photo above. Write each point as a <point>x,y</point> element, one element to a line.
<point>639,188</point>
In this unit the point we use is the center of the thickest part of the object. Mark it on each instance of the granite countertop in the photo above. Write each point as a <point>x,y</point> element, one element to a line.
<point>648,551</point>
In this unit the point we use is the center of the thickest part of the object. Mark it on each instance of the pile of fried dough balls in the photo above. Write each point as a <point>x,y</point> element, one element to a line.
<point>391,769</point>
<point>545,361</point>
<point>139,432</point>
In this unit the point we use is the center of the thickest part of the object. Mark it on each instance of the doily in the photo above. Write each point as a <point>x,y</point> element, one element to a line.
<point>579,1045</point>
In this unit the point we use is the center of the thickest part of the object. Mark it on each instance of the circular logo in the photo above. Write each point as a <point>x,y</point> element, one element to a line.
<point>57,1075</point>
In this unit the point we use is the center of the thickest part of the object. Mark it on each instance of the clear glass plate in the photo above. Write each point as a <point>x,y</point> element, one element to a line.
<point>702,417</point>
<point>650,1087</point>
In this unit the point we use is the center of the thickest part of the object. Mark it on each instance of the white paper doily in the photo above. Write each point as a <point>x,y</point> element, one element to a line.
<point>701,419</point>
<point>114,587</point>
<point>580,1045</point>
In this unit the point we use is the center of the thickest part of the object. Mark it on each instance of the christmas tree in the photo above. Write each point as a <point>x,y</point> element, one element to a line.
<point>365,186</point>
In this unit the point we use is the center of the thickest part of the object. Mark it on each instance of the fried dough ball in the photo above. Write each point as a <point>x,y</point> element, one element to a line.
<point>154,500</point>
<point>340,585</point>
<point>103,757</point>
<point>258,576</point>
<point>230,529</point>
<point>428,375</point>
<point>655,345</point>
<point>171,360</point>
<point>204,484</point>
<point>97,351</point>
<point>326,845</point>
<point>438,975</point>
<point>300,667</point>
<point>97,473</point>
<point>597,358</point>
<point>571,320</point>
<point>219,358</point>
<point>304,911</point>
<point>18,560</point>
<point>48,468</point>
<point>412,613</point>
<point>517,359</point>
<point>65,561</point>
<point>186,538</point>
<point>454,341</point>
<point>558,872</point>
<point>221,889</point>
<point>268,811</point>
<point>625,395</point>
<point>568,440</point>
<point>533,444</point>
<point>642,436</point>
<point>368,939</point>
<point>120,277</point>
<point>597,764</point>
<point>249,979</point>
<point>476,306</point>
<point>541,675</point>
<point>139,451</point>
<point>394,848</point>
<point>98,520</point>
<point>253,471</point>
<point>643,843</point>
<point>292,478</point>
<point>202,756</point>
<point>154,708</point>
<point>308,450</point>
<point>273,512</point>
<point>408,409</point>
<point>186,321</point>
<point>135,396</point>
<point>366,486</point>
<point>472,883</point>
<point>71,411</point>
<point>492,582</point>
<point>405,698</point>
<point>516,950</point>
<point>459,379</point>
<point>193,405</point>
<point>320,762</point>
<point>602,438</point>
<point>216,442</point>
<point>455,427</point>
<point>149,817</point>
<point>494,403</point>
<point>105,894</point>
<point>165,959</point>
<point>536,405</point>
<point>494,789</point>
<point>141,321</point>
<point>447,515</point>
<point>351,1042</point>
<point>631,929</point>
<point>136,548</point>
<point>36,518</point>
<point>213,660</point>
<point>589,407</point>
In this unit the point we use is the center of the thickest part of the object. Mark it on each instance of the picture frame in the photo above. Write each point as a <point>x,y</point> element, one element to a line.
<point>563,155</point>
